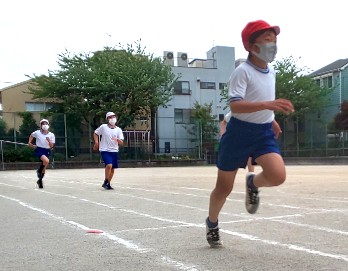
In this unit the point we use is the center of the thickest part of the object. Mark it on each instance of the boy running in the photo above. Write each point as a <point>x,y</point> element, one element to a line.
<point>252,130</point>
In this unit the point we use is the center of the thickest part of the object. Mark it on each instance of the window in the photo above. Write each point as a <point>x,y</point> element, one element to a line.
<point>0,107</point>
<point>182,88</point>
<point>327,82</point>
<point>207,85</point>
<point>222,86</point>
<point>183,116</point>
<point>37,107</point>
<point>143,120</point>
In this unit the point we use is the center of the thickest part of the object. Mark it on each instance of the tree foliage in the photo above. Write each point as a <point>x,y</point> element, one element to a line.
<point>124,80</point>
<point>293,83</point>
<point>204,128</point>
<point>28,125</point>
<point>3,128</point>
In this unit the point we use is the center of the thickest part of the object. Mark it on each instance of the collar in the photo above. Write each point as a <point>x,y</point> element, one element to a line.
<point>266,70</point>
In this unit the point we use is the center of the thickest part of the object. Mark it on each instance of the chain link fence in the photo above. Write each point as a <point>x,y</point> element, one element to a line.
<point>74,140</point>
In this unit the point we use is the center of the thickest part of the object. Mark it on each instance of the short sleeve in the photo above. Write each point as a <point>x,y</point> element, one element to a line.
<point>120,134</point>
<point>99,130</point>
<point>237,84</point>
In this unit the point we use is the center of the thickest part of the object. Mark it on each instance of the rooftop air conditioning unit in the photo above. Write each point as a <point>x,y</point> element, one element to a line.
<point>182,59</point>
<point>168,58</point>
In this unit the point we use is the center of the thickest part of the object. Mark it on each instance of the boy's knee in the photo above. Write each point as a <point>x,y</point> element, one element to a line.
<point>278,179</point>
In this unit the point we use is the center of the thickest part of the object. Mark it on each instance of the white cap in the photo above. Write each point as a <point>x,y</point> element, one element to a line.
<point>41,121</point>
<point>110,114</point>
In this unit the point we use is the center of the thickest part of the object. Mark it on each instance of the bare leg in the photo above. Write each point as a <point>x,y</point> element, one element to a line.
<point>251,167</point>
<point>223,187</point>
<point>111,174</point>
<point>108,169</point>
<point>45,162</point>
<point>273,170</point>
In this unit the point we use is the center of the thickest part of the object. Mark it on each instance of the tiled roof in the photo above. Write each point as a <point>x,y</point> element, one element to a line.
<point>331,67</point>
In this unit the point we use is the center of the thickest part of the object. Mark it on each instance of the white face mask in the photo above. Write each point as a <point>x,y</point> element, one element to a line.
<point>268,51</point>
<point>112,121</point>
<point>45,127</point>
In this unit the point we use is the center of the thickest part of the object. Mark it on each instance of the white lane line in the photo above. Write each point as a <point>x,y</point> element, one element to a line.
<point>246,218</point>
<point>245,236</point>
<point>241,235</point>
<point>314,227</point>
<point>127,244</point>
<point>288,246</point>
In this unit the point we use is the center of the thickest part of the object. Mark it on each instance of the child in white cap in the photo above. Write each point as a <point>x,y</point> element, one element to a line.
<point>107,139</point>
<point>45,141</point>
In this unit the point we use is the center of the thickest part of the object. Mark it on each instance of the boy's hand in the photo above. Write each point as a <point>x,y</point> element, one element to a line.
<point>96,146</point>
<point>282,105</point>
<point>276,129</point>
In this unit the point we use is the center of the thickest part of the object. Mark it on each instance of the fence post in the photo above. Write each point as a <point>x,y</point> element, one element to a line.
<point>2,156</point>
<point>66,139</point>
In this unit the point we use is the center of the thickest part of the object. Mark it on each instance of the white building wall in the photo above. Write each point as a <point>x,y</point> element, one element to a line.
<point>217,68</point>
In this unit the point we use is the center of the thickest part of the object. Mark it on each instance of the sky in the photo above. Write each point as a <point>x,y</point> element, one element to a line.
<point>33,33</point>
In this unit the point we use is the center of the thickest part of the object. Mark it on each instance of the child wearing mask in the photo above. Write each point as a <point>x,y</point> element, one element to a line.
<point>252,130</point>
<point>45,141</point>
<point>107,139</point>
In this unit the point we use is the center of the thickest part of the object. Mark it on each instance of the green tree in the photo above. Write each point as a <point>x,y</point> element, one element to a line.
<point>124,80</point>
<point>204,128</point>
<point>28,126</point>
<point>3,127</point>
<point>293,83</point>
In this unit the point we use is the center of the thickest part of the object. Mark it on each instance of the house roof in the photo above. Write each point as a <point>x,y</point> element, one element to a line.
<point>15,85</point>
<point>334,66</point>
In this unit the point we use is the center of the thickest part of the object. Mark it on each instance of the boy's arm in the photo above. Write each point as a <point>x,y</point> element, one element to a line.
<point>96,141</point>
<point>31,145</point>
<point>223,125</point>
<point>282,105</point>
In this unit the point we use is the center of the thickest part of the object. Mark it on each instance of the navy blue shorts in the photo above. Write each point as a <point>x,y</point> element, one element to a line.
<point>243,140</point>
<point>38,152</point>
<point>110,158</point>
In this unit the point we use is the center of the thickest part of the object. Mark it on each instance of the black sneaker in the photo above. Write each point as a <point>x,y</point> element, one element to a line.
<point>39,183</point>
<point>109,187</point>
<point>105,185</point>
<point>252,199</point>
<point>213,236</point>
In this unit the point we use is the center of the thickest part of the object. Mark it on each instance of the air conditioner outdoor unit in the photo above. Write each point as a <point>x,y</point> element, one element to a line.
<point>182,59</point>
<point>168,58</point>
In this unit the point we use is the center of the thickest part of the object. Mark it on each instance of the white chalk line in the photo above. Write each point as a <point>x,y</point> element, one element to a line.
<point>127,244</point>
<point>241,235</point>
<point>246,218</point>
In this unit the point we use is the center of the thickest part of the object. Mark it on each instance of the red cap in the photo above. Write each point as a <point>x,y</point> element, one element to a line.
<point>255,26</point>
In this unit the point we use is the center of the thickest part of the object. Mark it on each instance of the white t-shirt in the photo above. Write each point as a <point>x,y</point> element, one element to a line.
<point>248,84</point>
<point>106,136</point>
<point>227,117</point>
<point>41,140</point>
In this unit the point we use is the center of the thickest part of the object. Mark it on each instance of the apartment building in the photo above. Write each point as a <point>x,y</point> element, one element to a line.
<point>201,80</point>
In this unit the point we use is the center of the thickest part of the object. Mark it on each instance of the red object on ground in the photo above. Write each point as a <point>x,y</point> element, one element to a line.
<point>94,231</point>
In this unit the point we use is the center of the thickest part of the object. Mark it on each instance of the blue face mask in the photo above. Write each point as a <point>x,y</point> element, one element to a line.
<point>267,52</point>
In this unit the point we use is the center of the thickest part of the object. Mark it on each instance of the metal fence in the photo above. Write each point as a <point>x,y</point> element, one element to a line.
<point>74,141</point>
